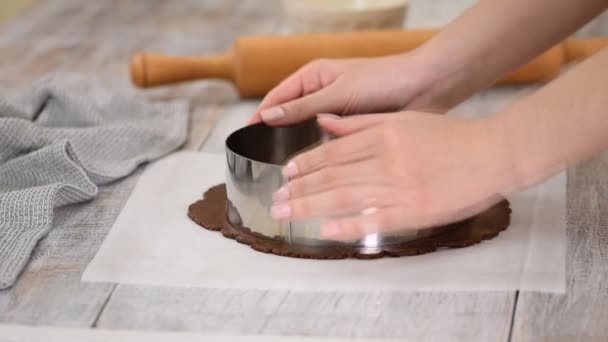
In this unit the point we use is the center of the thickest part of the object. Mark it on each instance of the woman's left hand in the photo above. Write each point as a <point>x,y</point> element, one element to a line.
<point>397,171</point>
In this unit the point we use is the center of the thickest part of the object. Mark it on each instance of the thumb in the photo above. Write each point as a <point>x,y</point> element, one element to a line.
<point>303,108</point>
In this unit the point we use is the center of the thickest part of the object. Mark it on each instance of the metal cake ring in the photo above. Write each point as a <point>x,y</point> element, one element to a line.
<point>255,156</point>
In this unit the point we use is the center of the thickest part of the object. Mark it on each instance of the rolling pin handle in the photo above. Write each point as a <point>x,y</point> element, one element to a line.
<point>152,69</point>
<point>581,48</point>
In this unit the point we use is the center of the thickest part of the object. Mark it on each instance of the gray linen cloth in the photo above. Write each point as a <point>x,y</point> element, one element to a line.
<point>60,139</point>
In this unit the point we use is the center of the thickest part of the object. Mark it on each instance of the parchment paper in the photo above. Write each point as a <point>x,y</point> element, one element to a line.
<point>153,242</point>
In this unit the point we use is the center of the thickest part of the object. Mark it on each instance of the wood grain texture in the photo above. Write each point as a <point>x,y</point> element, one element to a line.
<point>49,290</point>
<point>582,313</point>
<point>9,8</point>
<point>23,333</point>
<point>405,315</point>
<point>408,316</point>
<point>97,40</point>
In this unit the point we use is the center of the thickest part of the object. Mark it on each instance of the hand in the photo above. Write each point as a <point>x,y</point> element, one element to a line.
<point>346,86</point>
<point>400,171</point>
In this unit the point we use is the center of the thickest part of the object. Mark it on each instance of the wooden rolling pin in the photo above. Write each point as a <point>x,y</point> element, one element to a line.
<point>255,64</point>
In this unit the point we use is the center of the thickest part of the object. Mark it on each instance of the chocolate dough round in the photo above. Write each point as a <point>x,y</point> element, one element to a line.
<point>210,213</point>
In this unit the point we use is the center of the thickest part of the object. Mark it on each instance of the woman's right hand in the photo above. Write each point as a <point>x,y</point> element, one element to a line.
<point>349,86</point>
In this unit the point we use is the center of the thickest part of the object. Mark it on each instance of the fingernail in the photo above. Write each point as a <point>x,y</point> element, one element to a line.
<point>281,195</point>
<point>369,211</point>
<point>290,170</point>
<point>330,230</point>
<point>328,116</point>
<point>272,114</point>
<point>280,211</point>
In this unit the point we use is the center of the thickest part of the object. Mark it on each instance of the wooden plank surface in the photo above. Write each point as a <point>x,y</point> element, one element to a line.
<point>408,316</point>
<point>9,8</point>
<point>96,38</point>
<point>23,333</point>
<point>582,313</point>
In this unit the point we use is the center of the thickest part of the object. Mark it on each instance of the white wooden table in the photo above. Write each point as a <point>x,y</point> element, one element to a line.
<point>96,38</point>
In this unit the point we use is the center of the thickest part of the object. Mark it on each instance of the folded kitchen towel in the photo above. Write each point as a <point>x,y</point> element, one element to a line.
<point>60,139</point>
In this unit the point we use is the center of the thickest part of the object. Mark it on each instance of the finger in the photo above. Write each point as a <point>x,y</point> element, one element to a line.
<point>348,149</point>
<point>370,221</point>
<point>359,173</point>
<point>340,201</point>
<point>255,118</point>
<point>306,80</point>
<point>325,100</point>
<point>352,124</point>
<point>289,89</point>
<point>385,219</point>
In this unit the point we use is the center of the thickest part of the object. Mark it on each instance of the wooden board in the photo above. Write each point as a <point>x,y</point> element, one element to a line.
<point>23,333</point>
<point>97,39</point>
<point>405,315</point>
<point>9,8</point>
<point>582,313</point>
<point>49,290</point>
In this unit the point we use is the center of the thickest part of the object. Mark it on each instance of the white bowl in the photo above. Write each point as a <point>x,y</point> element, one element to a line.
<point>303,16</point>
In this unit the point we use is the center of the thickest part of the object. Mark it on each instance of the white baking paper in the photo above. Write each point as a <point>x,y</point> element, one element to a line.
<point>153,242</point>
